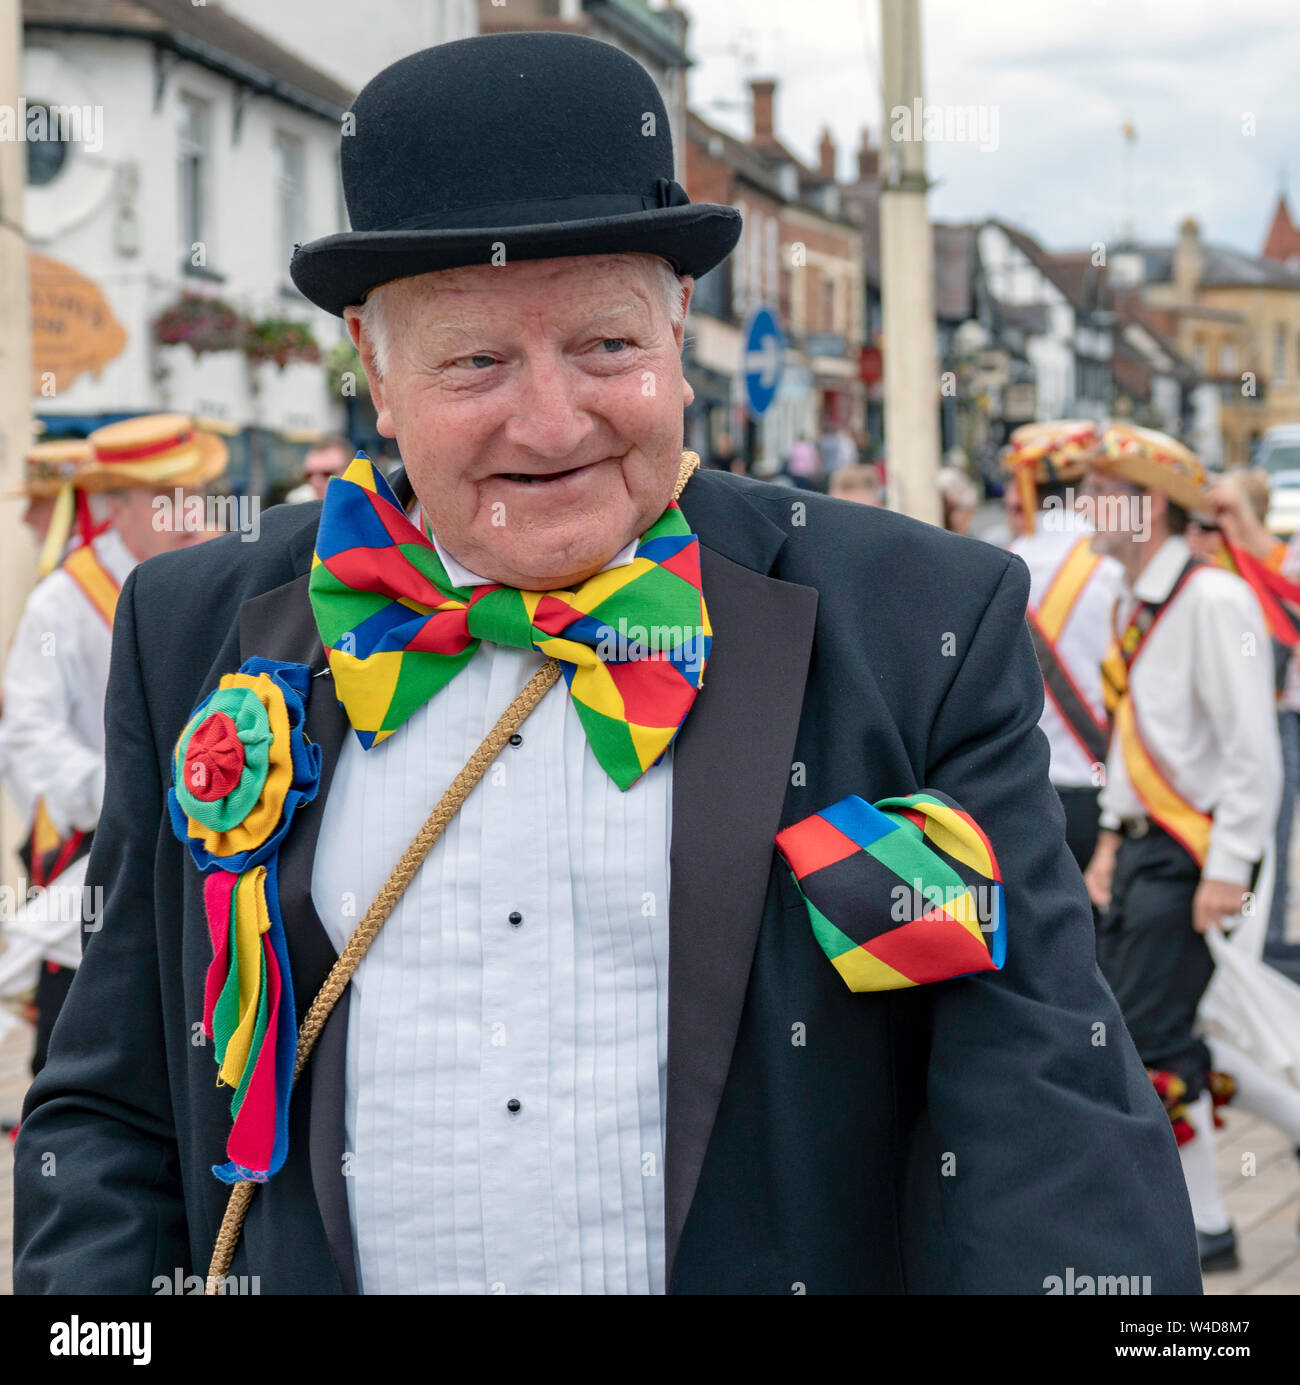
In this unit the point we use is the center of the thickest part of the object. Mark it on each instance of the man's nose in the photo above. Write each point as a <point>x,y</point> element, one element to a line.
<point>551,417</point>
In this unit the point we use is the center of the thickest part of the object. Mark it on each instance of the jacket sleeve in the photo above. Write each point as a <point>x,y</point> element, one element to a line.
<point>1055,1152</point>
<point>97,1190</point>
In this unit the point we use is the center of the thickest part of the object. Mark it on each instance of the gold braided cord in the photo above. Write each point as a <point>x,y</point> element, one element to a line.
<point>241,1195</point>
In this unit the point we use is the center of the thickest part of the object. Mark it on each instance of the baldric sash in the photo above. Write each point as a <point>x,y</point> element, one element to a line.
<point>1046,622</point>
<point>45,854</point>
<point>1164,805</point>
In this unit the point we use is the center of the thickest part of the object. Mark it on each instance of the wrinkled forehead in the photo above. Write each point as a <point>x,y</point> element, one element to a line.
<point>578,281</point>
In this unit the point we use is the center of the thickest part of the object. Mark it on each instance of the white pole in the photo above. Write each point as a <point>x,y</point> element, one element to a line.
<point>17,554</point>
<point>906,271</point>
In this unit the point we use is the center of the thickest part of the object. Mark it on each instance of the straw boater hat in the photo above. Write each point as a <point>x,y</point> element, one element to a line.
<point>49,466</point>
<point>1153,462</point>
<point>158,450</point>
<point>1039,453</point>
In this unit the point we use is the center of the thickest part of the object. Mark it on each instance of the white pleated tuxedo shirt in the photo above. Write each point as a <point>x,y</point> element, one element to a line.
<point>1202,690</point>
<point>1082,646</point>
<point>526,963</point>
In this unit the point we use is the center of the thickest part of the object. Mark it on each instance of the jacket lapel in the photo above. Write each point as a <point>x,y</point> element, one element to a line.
<point>279,625</point>
<point>729,787</point>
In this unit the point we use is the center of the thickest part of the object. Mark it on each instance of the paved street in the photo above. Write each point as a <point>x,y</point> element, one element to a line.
<point>1265,1207</point>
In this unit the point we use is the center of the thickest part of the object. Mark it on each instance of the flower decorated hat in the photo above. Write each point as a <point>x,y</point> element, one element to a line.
<point>1154,462</point>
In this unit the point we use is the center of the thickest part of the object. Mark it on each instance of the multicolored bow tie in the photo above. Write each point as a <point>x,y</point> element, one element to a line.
<point>632,641</point>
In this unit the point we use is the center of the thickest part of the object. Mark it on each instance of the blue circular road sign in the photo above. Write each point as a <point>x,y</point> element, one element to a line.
<point>764,356</point>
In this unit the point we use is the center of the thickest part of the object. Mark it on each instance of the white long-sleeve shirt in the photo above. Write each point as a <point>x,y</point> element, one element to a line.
<point>1202,688</point>
<point>52,731</point>
<point>527,962</point>
<point>1082,645</point>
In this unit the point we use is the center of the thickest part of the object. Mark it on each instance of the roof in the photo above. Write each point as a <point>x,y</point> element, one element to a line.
<point>1224,266</point>
<point>204,34</point>
<point>736,152</point>
<point>1085,286</point>
<point>1283,240</point>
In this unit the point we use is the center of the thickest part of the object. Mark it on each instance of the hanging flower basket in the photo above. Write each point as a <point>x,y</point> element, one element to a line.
<point>203,324</point>
<point>282,341</point>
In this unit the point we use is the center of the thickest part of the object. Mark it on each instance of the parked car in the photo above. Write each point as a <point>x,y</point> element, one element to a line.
<point>1279,455</point>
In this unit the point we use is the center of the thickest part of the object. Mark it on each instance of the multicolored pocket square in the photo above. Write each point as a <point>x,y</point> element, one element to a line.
<point>902,893</point>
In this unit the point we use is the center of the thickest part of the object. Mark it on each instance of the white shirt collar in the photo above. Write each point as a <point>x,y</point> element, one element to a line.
<point>114,554</point>
<point>1158,577</point>
<point>460,576</point>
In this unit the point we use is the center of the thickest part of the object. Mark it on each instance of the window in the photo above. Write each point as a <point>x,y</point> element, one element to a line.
<point>1279,354</point>
<point>828,304</point>
<point>291,192</point>
<point>193,161</point>
<point>1198,353</point>
<point>1227,358</point>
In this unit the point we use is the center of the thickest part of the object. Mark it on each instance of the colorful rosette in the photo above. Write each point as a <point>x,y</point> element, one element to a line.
<point>242,767</point>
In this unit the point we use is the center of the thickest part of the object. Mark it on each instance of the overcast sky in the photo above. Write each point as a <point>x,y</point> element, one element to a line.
<point>1065,76</point>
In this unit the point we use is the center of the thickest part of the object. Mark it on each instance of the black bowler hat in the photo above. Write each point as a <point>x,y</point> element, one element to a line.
<point>548,144</point>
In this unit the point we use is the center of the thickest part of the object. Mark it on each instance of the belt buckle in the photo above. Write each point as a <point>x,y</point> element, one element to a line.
<point>1137,827</point>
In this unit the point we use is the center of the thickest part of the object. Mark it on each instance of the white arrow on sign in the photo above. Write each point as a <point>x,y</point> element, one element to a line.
<point>766,363</point>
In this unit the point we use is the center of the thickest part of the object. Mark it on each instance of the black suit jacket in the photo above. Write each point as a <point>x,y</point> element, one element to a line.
<point>977,1135</point>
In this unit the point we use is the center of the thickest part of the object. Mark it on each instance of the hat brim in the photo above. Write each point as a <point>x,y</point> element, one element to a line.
<point>337,271</point>
<point>1152,476</point>
<point>209,464</point>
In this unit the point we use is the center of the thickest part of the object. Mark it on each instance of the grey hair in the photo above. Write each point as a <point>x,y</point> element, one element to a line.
<point>374,320</point>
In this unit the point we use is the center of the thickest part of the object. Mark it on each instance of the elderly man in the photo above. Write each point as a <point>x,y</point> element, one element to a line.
<point>604,800</point>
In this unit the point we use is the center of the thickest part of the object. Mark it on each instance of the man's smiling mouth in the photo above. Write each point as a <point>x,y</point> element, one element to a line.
<point>532,478</point>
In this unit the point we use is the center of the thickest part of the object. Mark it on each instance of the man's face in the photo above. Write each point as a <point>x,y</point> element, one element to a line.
<point>321,464</point>
<point>538,409</point>
<point>1120,513</point>
<point>147,528</point>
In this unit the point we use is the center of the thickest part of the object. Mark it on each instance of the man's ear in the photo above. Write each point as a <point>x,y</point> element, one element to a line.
<point>688,290</point>
<point>361,340</point>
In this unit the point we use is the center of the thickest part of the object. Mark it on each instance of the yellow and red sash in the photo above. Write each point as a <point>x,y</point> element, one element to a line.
<point>45,854</point>
<point>1046,621</point>
<point>1164,805</point>
<point>97,584</point>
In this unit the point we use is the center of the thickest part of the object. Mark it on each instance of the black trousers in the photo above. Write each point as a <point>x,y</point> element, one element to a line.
<point>51,991</point>
<point>1157,964</point>
<point>1081,819</point>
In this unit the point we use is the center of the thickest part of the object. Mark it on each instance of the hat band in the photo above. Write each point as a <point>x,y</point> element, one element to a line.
<point>145,450</point>
<point>586,206</point>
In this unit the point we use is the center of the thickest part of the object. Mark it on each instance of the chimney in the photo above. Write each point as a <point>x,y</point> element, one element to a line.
<point>826,155</point>
<point>1188,260</point>
<point>868,159</point>
<point>763,91</point>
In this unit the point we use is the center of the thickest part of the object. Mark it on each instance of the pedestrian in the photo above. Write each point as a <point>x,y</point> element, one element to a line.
<point>485,1107</point>
<point>959,497</point>
<point>803,465</point>
<point>52,732</point>
<point>724,456</point>
<point>1072,591</point>
<point>325,460</point>
<point>1193,779</point>
<point>860,483</point>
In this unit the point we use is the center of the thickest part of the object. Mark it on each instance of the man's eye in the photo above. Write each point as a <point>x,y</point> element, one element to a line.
<point>613,344</point>
<point>481,360</point>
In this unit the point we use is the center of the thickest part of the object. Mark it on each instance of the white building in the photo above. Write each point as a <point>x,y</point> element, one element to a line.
<point>1071,350</point>
<point>207,151</point>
